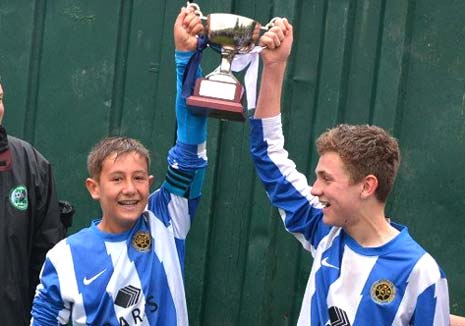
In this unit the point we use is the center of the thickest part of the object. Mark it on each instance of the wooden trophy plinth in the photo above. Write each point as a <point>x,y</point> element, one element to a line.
<point>217,99</point>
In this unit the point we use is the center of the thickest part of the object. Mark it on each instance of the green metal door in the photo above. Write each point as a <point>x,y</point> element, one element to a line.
<point>75,71</point>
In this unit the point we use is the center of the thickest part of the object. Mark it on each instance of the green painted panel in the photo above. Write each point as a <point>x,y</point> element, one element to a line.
<point>75,71</point>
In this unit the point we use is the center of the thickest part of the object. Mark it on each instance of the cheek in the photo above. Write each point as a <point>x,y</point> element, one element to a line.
<point>144,189</point>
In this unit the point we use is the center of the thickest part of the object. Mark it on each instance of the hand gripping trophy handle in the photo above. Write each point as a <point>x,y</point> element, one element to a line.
<point>219,94</point>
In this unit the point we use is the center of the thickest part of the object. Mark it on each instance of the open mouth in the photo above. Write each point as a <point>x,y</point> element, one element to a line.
<point>128,202</point>
<point>325,204</point>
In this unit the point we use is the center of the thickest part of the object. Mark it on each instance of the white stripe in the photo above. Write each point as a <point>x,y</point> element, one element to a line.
<point>178,209</point>
<point>441,313</point>
<point>165,248</point>
<point>345,292</point>
<point>272,133</point>
<point>61,258</point>
<point>325,243</point>
<point>124,274</point>
<point>202,151</point>
<point>423,275</point>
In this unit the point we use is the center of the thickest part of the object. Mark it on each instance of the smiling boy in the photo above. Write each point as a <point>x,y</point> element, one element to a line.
<point>367,270</point>
<point>127,267</point>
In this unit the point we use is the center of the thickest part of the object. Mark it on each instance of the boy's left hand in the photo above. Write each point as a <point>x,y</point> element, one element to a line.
<point>186,28</point>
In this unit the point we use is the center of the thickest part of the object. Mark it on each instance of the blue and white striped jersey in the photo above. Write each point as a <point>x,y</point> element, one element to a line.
<point>133,278</point>
<point>136,277</point>
<point>398,283</point>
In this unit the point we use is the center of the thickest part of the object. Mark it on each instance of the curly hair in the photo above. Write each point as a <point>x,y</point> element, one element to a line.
<point>112,145</point>
<point>364,150</point>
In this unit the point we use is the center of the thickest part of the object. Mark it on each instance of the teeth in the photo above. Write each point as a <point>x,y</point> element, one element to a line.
<point>324,203</point>
<point>128,202</point>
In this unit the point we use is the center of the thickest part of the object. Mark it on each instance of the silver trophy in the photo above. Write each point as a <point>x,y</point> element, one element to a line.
<point>219,94</point>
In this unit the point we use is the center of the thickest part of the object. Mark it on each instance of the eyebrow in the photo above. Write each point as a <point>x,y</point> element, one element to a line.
<point>323,173</point>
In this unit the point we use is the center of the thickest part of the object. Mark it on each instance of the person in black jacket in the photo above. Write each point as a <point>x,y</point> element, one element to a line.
<point>29,223</point>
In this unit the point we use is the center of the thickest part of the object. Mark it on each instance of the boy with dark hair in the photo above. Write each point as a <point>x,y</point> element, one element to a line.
<point>366,269</point>
<point>127,267</point>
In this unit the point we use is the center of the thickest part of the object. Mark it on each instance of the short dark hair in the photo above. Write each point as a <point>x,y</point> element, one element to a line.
<point>112,145</point>
<point>364,150</point>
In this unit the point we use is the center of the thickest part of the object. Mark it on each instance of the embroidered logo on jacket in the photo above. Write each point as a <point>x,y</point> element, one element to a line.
<point>383,292</point>
<point>18,198</point>
<point>141,241</point>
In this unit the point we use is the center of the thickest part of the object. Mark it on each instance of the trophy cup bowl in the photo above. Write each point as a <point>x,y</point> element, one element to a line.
<point>219,93</point>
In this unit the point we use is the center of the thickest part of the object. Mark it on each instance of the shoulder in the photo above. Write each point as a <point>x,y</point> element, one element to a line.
<point>425,272</point>
<point>83,239</point>
<point>22,148</point>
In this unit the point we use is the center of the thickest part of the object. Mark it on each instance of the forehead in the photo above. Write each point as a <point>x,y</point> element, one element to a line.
<point>331,163</point>
<point>126,162</point>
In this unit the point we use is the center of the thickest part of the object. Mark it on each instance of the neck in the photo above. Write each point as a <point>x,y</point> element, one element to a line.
<point>371,228</point>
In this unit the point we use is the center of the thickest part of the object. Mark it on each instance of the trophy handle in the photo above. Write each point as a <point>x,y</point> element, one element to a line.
<point>196,10</point>
<point>270,24</point>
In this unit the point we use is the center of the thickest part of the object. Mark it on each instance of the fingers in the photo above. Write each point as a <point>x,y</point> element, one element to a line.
<point>275,36</point>
<point>180,17</point>
<point>191,21</point>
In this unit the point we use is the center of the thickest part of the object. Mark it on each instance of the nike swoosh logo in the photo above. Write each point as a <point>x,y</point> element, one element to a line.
<point>324,262</point>
<point>87,281</point>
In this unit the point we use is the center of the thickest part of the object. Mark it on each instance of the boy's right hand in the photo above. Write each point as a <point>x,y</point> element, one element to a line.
<point>186,28</point>
<point>277,42</point>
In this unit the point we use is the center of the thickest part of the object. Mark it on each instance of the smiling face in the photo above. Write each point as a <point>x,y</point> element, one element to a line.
<point>122,189</point>
<point>334,188</point>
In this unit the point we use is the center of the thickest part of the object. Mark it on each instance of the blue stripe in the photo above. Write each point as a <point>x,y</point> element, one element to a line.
<point>88,265</point>
<point>426,307</point>
<point>48,303</point>
<point>301,217</point>
<point>159,306</point>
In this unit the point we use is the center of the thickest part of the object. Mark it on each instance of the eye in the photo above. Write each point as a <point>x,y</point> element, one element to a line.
<point>140,178</point>
<point>326,178</point>
<point>116,179</point>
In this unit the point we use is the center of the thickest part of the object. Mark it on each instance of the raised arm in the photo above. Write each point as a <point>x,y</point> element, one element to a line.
<point>187,159</point>
<point>278,43</point>
<point>287,189</point>
<point>191,128</point>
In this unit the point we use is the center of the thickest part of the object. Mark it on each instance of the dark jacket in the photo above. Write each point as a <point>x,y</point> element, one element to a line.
<point>29,225</point>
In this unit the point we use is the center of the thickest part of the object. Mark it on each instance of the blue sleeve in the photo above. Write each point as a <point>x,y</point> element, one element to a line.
<point>192,129</point>
<point>187,160</point>
<point>287,189</point>
<point>47,303</point>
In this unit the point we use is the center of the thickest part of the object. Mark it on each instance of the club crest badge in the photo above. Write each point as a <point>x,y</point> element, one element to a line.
<point>383,292</point>
<point>141,241</point>
<point>18,198</point>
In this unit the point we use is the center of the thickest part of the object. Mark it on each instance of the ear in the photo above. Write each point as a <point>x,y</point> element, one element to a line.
<point>151,180</point>
<point>369,186</point>
<point>93,188</point>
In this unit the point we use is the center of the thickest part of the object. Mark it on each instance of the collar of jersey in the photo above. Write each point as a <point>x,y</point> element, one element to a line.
<point>384,249</point>
<point>113,237</point>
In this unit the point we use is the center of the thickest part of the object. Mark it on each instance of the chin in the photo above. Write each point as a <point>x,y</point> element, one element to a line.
<point>328,220</point>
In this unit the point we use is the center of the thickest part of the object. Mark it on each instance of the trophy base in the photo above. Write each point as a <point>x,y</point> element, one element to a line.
<point>216,108</point>
<point>207,100</point>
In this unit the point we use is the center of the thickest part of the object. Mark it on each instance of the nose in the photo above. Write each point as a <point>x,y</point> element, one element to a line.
<point>316,188</point>
<point>129,187</point>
